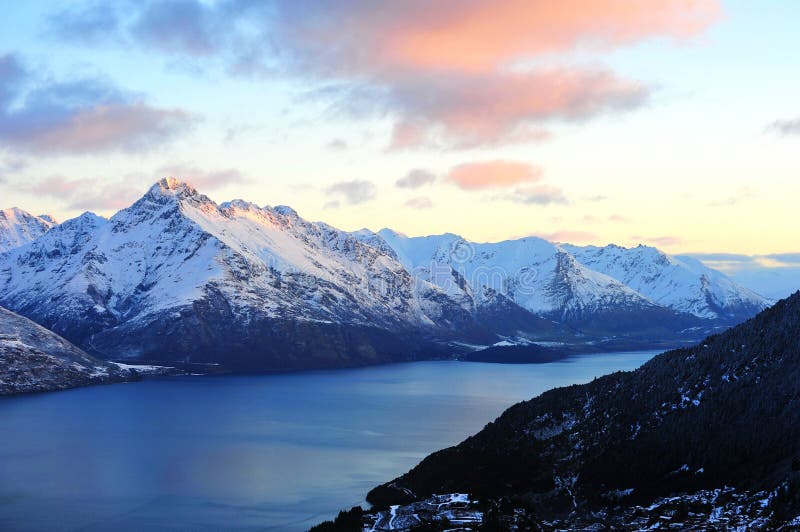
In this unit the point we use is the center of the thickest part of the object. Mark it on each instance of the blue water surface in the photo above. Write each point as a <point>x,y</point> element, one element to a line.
<point>266,452</point>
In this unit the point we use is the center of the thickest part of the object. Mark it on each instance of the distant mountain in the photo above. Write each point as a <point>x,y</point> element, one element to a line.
<point>681,283</point>
<point>601,290</point>
<point>179,279</point>
<point>772,282</point>
<point>697,437</point>
<point>33,359</point>
<point>18,227</point>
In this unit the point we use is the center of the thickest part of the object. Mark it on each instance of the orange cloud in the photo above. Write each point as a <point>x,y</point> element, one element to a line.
<point>479,35</point>
<point>482,35</point>
<point>452,74</point>
<point>470,73</point>
<point>493,174</point>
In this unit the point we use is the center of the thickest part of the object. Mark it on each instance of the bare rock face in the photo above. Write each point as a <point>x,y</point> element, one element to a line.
<point>33,359</point>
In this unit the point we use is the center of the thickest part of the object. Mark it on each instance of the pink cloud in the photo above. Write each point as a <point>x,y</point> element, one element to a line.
<point>493,109</point>
<point>131,127</point>
<point>476,35</point>
<point>493,174</point>
<point>444,69</point>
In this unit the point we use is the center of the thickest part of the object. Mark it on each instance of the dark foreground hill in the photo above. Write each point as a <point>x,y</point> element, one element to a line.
<point>705,437</point>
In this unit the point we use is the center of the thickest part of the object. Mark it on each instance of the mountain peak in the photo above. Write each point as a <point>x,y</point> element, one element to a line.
<point>173,186</point>
<point>18,227</point>
<point>14,212</point>
<point>286,211</point>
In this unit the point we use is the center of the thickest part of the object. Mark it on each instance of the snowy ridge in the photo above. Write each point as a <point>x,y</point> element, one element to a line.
<point>175,247</point>
<point>565,280</point>
<point>678,282</point>
<point>533,273</point>
<point>18,227</point>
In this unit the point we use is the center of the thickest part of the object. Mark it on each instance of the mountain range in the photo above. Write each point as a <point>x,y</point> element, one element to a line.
<point>178,278</point>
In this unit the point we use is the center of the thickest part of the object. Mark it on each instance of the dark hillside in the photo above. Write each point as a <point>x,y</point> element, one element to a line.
<point>723,413</point>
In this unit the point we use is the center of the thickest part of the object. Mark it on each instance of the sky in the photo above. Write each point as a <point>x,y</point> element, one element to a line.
<point>672,123</point>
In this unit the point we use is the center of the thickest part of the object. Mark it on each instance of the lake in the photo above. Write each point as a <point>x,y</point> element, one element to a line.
<point>265,452</point>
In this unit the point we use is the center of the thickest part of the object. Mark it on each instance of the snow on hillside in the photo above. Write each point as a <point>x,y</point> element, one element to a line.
<point>33,359</point>
<point>175,246</point>
<point>534,273</point>
<point>18,227</point>
<point>544,277</point>
<point>681,283</point>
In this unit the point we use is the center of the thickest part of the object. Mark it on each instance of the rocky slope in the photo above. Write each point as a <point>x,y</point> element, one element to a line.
<point>694,436</point>
<point>33,359</point>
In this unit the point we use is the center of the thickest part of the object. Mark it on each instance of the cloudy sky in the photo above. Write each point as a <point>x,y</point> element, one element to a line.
<point>673,123</point>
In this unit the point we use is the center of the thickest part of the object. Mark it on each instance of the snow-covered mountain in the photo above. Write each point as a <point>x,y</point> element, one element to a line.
<point>178,278</point>
<point>18,227</point>
<point>533,272</point>
<point>681,283</point>
<point>33,359</point>
<point>610,288</point>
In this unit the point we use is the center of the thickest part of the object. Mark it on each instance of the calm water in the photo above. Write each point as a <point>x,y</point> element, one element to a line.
<point>277,452</point>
